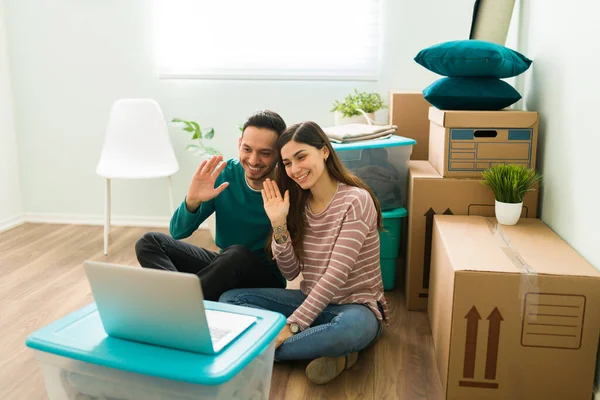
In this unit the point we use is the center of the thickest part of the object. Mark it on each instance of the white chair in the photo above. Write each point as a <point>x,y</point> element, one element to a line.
<point>136,146</point>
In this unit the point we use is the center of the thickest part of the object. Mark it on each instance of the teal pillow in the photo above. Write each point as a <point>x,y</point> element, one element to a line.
<point>471,94</point>
<point>473,58</point>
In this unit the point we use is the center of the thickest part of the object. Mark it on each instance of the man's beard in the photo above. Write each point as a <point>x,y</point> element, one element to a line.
<point>262,176</point>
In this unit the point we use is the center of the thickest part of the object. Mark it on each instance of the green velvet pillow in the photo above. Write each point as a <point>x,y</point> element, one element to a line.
<point>471,94</point>
<point>473,58</point>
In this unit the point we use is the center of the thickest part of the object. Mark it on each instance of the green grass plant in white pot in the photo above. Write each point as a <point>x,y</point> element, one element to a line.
<point>510,183</point>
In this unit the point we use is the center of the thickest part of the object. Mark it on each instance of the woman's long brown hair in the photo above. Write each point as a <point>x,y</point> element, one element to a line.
<point>311,134</point>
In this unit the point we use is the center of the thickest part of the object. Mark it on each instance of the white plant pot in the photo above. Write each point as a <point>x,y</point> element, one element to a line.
<point>339,119</point>
<point>508,213</point>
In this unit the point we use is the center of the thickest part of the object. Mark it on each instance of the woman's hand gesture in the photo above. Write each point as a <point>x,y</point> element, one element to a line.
<point>276,207</point>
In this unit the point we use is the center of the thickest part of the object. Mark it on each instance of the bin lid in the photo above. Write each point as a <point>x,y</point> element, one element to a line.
<point>394,213</point>
<point>81,336</point>
<point>392,141</point>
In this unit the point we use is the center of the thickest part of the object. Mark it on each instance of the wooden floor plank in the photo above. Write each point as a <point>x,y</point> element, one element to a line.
<point>42,279</point>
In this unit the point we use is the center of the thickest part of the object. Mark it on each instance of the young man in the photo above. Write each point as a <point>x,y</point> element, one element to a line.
<point>232,191</point>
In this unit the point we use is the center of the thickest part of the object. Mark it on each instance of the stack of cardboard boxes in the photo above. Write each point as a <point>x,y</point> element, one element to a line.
<point>513,310</point>
<point>452,149</point>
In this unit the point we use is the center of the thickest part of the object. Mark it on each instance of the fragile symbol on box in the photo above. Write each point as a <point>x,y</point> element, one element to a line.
<point>553,320</point>
<point>493,343</point>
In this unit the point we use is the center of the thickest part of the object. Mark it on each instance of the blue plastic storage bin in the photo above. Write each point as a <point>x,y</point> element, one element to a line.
<point>382,164</point>
<point>389,242</point>
<point>78,359</point>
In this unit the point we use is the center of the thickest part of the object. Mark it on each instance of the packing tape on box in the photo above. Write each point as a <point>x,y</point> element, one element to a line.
<point>529,276</point>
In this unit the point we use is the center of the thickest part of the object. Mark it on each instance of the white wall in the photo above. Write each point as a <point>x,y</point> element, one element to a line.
<point>11,207</point>
<point>71,60</point>
<point>562,84</point>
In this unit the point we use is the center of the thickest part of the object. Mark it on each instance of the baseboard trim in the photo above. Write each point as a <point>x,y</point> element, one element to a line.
<point>115,220</point>
<point>12,222</point>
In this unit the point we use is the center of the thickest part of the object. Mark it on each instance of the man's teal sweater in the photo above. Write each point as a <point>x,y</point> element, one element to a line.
<point>239,213</point>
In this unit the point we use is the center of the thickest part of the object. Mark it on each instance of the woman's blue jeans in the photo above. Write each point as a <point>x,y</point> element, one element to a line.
<point>338,331</point>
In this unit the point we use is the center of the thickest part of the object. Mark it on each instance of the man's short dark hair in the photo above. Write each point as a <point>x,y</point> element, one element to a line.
<point>266,119</point>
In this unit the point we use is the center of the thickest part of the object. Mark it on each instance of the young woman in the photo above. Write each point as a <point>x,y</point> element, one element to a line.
<point>325,226</point>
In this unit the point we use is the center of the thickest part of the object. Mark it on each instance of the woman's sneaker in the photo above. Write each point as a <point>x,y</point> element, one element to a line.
<point>325,369</point>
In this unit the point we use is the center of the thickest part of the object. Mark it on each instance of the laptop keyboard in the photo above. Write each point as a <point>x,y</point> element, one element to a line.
<point>217,334</point>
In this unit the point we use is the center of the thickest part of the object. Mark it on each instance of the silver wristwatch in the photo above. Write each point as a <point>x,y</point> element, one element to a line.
<point>294,328</point>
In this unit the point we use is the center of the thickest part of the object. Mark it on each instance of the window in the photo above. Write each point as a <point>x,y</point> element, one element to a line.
<point>268,39</point>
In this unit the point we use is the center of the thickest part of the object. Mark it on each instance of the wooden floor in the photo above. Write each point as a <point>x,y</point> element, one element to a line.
<point>42,279</point>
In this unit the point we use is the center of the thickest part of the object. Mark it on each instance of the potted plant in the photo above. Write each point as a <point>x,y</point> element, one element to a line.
<point>357,107</point>
<point>199,149</point>
<point>510,183</point>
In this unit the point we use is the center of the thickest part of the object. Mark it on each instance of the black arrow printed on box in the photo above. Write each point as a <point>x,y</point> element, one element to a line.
<point>491,361</point>
<point>427,256</point>
<point>473,318</point>
<point>493,344</point>
<point>428,238</point>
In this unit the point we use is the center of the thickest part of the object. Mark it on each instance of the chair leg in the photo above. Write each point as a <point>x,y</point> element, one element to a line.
<point>170,194</point>
<point>106,215</point>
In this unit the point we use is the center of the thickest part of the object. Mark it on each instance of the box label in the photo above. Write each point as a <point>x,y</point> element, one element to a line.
<point>553,320</point>
<point>490,147</point>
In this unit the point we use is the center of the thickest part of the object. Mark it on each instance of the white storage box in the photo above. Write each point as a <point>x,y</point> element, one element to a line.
<point>382,164</point>
<point>80,362</point>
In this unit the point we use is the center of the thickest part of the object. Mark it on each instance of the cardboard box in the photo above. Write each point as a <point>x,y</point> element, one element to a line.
<point>409,111</point>
<point>464,143</point>
<point>513,311</point>
<point>430,194</point>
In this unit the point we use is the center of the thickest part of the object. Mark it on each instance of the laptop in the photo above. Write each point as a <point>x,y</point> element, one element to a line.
<point>162,308</point>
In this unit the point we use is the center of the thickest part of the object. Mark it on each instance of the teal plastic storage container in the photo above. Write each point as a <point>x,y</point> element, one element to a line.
<point>78,360</point>
<point>389,242</point>
<point>382,164</point>
<point>388,272</point>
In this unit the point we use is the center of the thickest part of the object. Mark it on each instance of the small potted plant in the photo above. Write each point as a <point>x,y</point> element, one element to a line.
<point>199,149</point>
<point>510,183</point>
<point>357,107</point>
